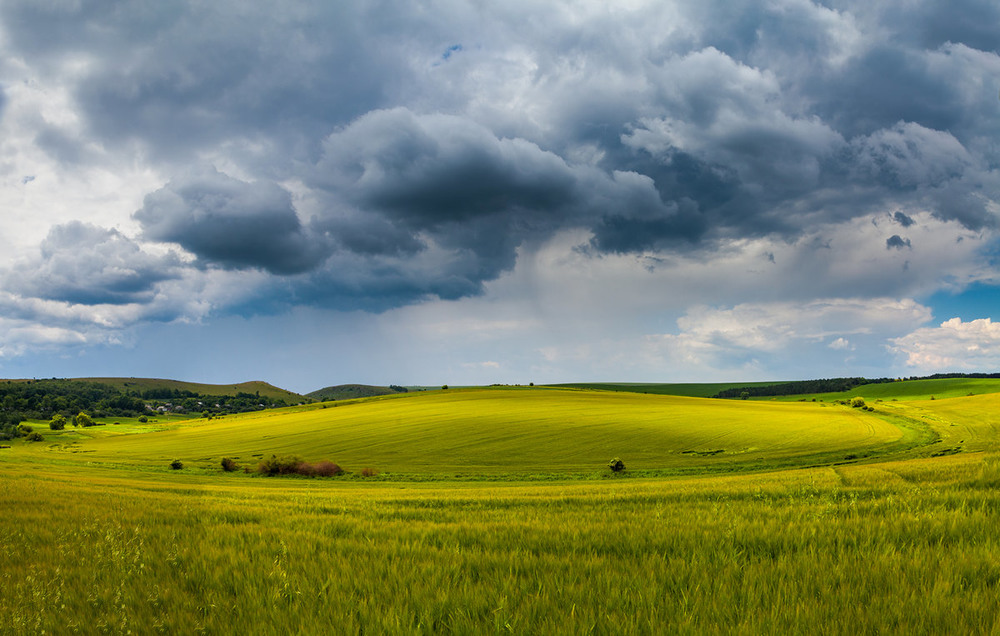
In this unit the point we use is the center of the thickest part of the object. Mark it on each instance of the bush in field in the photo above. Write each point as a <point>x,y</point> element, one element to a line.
<point>278,465</point>
<point>82,419</point>
<point>368,472</point>
<point>57,423</point>
<point>295,466</point>
<point>229,465</point>
<point>616,465</point>
<point>34,437</point>
<point>857,402</point>
<point>143,419</point>
<point>326,468</point>
<point>176,464</point>
<point>25,428</point>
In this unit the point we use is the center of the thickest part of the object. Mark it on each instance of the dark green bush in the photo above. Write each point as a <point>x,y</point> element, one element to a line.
<point>176,464</point>
<point>229,465</point>
<point>616,465</point>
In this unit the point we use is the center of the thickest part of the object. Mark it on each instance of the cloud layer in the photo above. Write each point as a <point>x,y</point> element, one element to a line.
<point>240,158</point>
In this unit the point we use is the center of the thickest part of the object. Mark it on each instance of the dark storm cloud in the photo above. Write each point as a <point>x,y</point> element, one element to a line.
<point>83,264</point>
<point>896,242</point>
<point>433,170</point>
<point>902,219</point>
<point>428,164</point>
<point>475,195</point>
<point>231,223</point>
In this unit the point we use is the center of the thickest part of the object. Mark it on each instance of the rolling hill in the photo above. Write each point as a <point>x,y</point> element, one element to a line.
<point>253,387</point>
<point>490,432</point>
<point>350,392</point>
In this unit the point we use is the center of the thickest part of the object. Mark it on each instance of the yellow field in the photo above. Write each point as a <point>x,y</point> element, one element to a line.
<point>504,432</point>
<point>900,541</point>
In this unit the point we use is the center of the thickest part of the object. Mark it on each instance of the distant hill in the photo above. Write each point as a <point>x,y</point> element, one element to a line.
<point>253,387</point>
<point>688,389</point>
<point>352,392</point>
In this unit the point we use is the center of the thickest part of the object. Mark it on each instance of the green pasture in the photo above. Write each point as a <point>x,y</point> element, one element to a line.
<point>930,389</point>
<point>513,432</point>
<point>687,389</point>
<point>813,518</point>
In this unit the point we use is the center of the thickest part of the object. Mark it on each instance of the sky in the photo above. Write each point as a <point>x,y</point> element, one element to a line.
<point>314,193</point>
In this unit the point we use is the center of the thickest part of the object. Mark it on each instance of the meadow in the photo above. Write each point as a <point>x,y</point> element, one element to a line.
<point>494,512</point>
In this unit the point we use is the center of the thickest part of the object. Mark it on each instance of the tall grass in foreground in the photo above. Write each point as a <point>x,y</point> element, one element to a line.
<point>907,547</point>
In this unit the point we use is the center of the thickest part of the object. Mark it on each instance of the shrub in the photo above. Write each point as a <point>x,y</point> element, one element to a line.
<point>143,419</point>
<point>326,468</point>
<point>616,465</point>
<point>25,428</point>
<point>857,402</point>
<point>368,472</point>
<point>229,465</point>
<point>278,465</point>
<point>295,466</point>
<point>82,419</point>
<point>176,464</point>
<point>34,437</point>
<point>58,422</point>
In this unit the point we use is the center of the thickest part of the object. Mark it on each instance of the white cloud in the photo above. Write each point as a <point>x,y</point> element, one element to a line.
<point>953,345</point>
<point>840,344</point>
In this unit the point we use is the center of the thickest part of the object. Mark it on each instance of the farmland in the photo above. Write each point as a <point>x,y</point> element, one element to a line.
<point>493,511</point>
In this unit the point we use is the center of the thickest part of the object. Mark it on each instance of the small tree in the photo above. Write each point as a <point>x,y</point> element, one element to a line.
<point>857,402</point>
<point>744,395</point>
<point>616,465</point>
<point>176,464</point>
<point>82,419</point>
<point>229,465</point>
<point>58,422</point>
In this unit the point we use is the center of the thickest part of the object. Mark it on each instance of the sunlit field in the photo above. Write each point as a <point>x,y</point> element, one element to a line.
<point>494,511</point>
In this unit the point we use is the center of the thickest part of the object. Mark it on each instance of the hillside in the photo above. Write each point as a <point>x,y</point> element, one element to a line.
<point>922,389</point>
<point>687,389</point>
<point>350,392</point>
<point>491,432</point>
<point>254,387</point>
<point>910,389</point>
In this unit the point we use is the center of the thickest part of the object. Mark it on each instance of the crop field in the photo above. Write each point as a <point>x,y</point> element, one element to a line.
<point>493,511</point>
<point>927,389</point>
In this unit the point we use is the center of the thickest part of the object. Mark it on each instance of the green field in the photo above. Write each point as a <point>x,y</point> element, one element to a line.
<point>493,511</point>
<point>687,389</point>
<point>910,390</point>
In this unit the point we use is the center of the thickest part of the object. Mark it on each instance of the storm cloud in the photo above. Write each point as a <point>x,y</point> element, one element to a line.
<point>80,263</point>
<point>231,223</point>
<point>359,156</point>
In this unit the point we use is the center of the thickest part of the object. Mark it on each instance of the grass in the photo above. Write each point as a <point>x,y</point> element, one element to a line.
<point>903,390</point>
<point>519,432</point>
<point>901,541</point>
<point>686,389</point>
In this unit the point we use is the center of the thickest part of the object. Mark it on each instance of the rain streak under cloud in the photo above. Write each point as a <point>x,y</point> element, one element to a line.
<point>447,192</point>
